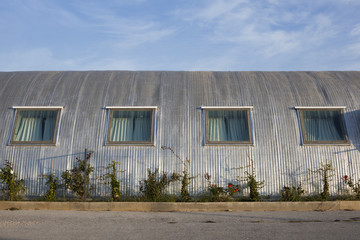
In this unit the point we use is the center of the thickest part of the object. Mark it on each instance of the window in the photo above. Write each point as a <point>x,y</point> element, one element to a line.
<point>322,126</point>
<point>131,126</point>
<point>35,125</point>
<point>227,125</point>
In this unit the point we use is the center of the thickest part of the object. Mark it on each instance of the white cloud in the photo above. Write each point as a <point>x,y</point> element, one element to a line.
<point>355,31</point>
<point>353,49</point>
<point>269,28</point>
<point>130,33</point>
<point>218,8</point>
<point>125,32</point>
<point>96,18</point>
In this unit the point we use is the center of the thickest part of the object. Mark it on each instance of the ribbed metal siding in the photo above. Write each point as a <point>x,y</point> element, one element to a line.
<point>279,158</point>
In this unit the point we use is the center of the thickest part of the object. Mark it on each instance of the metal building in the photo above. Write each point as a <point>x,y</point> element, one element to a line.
<point>181,109</point>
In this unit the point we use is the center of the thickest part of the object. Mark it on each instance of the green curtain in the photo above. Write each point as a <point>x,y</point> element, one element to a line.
<point>324,125</point>
<point>35,125</point>
<point>228,125</point>
<point>130,126</point>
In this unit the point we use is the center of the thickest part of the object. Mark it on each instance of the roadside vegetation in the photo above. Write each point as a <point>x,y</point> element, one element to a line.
<point>160,186</point>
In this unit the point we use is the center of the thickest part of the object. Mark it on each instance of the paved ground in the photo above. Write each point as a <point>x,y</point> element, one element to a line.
<point>178,225</point>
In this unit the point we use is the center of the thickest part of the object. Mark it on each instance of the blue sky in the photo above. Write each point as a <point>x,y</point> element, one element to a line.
<point>221,35</point>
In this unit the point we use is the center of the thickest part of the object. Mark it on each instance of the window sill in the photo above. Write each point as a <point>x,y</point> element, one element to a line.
<point>230,144</point>
<point>32,144</point>
<point>130,144</point>
<point>325,144</point>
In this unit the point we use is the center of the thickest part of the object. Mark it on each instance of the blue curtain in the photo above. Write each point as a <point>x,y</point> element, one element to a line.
<point>228,125</point>
<point>130,126</point>
<point>323,125</point>
<point>35,125</point>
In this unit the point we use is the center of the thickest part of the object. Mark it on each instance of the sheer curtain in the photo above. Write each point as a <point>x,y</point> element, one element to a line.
<point>142,129</point>
<point>228,125</point>
<point>35,125</point>
<point>121,129</point>
<point>238,126</point>
<point>217,129</point>
<point>130,126</point>
<point>323,126</point>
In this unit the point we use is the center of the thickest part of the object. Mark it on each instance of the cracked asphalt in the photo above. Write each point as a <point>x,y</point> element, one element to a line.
<point>32,224</point>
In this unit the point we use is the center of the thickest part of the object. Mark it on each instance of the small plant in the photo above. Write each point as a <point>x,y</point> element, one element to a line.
<point>53,183</point>
<point>13,186</point>
<point>111,179</point>
<point>355,186</point>
<point>185,177</point>
<point>325,172</point>
<point>77,179</point>
<point>252,183</point>
<point>292,194</point>
<point>154,186</point>
<point>220,193</point>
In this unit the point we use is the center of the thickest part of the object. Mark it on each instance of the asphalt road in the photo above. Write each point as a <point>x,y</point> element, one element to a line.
<point>179,225</point>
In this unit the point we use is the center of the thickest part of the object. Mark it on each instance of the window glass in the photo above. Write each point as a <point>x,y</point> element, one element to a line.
<point>323,126</point>
<point>131,126</point>
<point>228,126</point>
<point>35,126</point>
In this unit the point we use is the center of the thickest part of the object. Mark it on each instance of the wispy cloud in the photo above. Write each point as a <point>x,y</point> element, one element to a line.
<point>43,59</point>
<point>355,31</point>
<point>179,34</point>
<point>126,32</point>
<point>268,28</point>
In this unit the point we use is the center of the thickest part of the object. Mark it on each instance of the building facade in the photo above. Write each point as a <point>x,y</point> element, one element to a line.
<point>288,123</point>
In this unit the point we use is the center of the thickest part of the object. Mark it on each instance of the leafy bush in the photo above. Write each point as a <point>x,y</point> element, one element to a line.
<point>325,172</point>
<point>13,187</point>
<point>184,177</point>
<point>252,183</point>
<point>77,179</point>
<point>53,183</point>
<point>292,194</point>
<point>153,188</point>
<point>111,179</point>
<point>221,194</point>
<point>355,186</point>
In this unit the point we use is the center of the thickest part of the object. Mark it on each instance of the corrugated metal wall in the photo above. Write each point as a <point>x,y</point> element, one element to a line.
<point>279,158</point>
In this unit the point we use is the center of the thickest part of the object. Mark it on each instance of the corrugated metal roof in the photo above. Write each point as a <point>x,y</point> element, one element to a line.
<point>278,155</point>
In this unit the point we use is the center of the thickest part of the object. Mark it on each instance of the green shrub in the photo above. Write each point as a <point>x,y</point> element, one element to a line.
<point>184,177</point>
<point>153,188</point>
<point>77,179</point>
<point>111,179</point>
<point>53,183</point>
<point>325,172</point>
<point>355,186</point>
<point>292,194</point>
<point>220,194</point>
<point>13,186</point>
<point>252,183</point>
